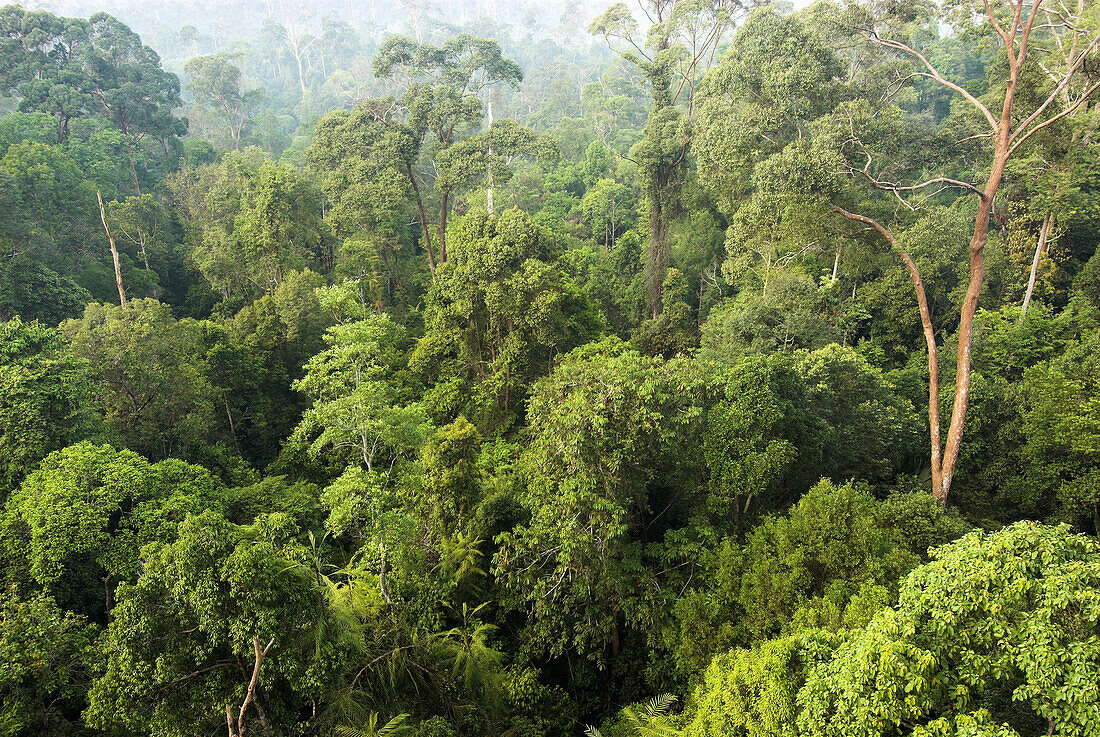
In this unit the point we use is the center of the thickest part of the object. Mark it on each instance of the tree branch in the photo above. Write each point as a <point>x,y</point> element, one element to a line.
<point>891,187</point>
<point>933,73</point>
<point>199,672</point>
<point>250,695</point>
<point>1064,113</point>
<point>929,342</point>
<point>1054,95</point>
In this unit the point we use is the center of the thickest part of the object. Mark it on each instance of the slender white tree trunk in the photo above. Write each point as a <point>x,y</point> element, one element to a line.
<point>489,195</point>
<point>1040,247</point>
<point>114,250</point>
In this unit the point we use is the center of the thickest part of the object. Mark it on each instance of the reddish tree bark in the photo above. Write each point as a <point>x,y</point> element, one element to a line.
<point>1007,138</point>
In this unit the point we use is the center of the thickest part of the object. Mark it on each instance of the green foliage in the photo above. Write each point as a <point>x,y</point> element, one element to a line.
<point>752,693</point>
<point>608,208</point>
<point>474,664</point>
<point>778,75</point>
<point>788,318</point>
<point>179,636</point>
<point>749,443</point>
<point>1000,628</point>
<point>90,505</point>
<point>46,655</point>
<point>361,158</point>
<point>599,424</point>
<point>45,398</point>
<point>650,719</point>
<point>215,81</point>
<point>146,231</point>
<point>808,565</point>
<point>831,562</point>
<point>152,393</point>
<point>873,430</point>
<point>1061,429</point>
<point>250,221</point>
<point>392,728</point>
<point>675,330</point>
<point>505,423</point>
<point>354,406</point>
<point>537,709</point>
<point>72,68</point>
<point>45,196</point>
<point>449,484</point>
<point>498,313</point>
<point>33,291</point>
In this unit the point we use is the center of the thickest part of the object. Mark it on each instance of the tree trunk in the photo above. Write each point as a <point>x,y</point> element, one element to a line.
<point>489,193</point>
<point>232,426</point>
<point>153,291</point>
<point>144,255</point>
<point>301,75</point>
<point>1040,248</point>
<point>133,169</point>
<point>656,257</point>
<point>929,343</point>
<point>973,290</point>
<point>383,582</point>
<point>240,728</point>
<point>114,251</point>
<point>422,213</point>
<point>442,232</point>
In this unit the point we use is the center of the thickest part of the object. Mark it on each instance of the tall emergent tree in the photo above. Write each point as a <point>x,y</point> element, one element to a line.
<point>442,104</point>
<point>679,47</point>
<point>73,68</point>
<point>215,81</point>
<point>41,60</point>
<point>1017,27</point>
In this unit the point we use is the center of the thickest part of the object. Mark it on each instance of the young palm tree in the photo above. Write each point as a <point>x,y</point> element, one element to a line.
<point>393,728</point>
<point>647,720</point>
<point>473,662</point>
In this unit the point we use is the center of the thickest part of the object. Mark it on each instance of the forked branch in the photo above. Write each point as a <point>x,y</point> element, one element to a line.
<point>239,729</point>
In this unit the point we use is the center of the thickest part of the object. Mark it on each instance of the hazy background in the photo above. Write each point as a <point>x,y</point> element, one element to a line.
<point>332,42</point>
<point>222,22</point>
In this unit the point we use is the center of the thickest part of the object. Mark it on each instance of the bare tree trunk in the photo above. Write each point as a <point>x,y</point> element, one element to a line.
<point>489,194</point>
<point>133,169</point>
<point>383,582</point>
<point>656,258</point>
<point>301,75</point>
<point>114,250</point>
<point>232,426</point>
<point>1005,142</point>
<point>973,290</point>
<point>423,215</point>
<point>239,729</point>
<point>442,232</point>
<point>1040,248</point>
<point>929,342</point>
<point>144,255</point>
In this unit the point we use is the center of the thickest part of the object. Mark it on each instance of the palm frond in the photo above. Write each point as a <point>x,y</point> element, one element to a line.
<point>393,728</point>
<point>659,704</point>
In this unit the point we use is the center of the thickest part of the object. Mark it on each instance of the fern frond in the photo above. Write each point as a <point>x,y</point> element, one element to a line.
<point>660,704</point>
